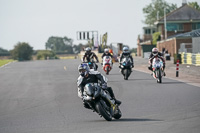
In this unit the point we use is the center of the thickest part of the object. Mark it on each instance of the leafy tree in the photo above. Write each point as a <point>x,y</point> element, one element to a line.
<point>22,51</point>
<point>78,48</point>
<point>46,54</point>
<point>194,5</point>
<point>151,10</point>
<point>133,50</point>
<point>59,44</point>
<point>156,37</point>
<point>4,52</point>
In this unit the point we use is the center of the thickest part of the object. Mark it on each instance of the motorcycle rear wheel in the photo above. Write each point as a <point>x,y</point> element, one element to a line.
<point>103,111</point>
<point>118,115</point>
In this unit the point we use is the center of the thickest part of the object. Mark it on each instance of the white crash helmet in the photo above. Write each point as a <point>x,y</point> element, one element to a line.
<point>155,51</point>
<point>126,50</point>
<point>106,50</point>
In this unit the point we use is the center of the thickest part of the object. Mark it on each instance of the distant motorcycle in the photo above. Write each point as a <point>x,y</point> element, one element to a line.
<point>157,66</point>
<point>126,66</point>
<point>107,64</point>
<point>100,101</point>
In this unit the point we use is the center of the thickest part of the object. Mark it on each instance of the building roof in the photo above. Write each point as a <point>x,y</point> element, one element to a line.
<point>184,13</point>
<point>194,33</point>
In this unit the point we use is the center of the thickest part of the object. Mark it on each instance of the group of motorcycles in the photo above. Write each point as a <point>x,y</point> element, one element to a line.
<point>125,66</point>
<point>100,100</point>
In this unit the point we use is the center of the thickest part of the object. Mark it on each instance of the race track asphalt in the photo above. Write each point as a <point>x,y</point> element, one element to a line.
<point>41,97</point>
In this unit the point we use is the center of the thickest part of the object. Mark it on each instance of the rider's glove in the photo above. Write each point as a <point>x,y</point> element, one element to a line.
<point>163,65</point>
<point>132,65</point>
<point>104,85</point>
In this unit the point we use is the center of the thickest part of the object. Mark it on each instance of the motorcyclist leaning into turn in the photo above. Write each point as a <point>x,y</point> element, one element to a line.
<point>125,53</point>
<point>153,55</point>
<point>87,76</point>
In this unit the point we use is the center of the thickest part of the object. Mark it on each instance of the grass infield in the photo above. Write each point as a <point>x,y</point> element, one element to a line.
<point>3,62</point>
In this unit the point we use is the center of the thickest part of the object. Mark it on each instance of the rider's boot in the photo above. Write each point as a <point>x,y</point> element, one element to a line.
<point>164,74</point>
<point>117,101</point>
<point>113,96</point>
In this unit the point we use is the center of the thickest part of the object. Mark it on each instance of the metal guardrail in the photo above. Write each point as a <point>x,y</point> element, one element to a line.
<point>190,59</point>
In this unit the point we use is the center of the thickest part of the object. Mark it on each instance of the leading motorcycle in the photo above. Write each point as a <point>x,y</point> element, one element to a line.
<point>100,101</point>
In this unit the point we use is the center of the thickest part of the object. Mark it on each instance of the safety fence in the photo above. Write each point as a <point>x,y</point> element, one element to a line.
<point>190,58</point>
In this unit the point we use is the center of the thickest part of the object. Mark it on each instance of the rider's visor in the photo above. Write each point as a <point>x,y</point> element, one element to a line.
<point>82,70</point>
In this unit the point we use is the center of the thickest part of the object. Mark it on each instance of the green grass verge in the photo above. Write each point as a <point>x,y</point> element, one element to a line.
<point>3,62</point>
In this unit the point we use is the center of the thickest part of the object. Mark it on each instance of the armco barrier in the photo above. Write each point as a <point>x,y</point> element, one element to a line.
<point>190,59</point>
<point>197,59</point>
<point>193,58</point>
<point>182,58</point>
<point>185,58</point>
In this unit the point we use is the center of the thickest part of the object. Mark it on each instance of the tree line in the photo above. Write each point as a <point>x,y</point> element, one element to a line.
<point>54,45</point>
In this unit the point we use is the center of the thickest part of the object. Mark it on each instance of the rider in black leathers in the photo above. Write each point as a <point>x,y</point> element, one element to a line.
<point>87,76</point>
<point>89,55</point>
<point>126,53</point>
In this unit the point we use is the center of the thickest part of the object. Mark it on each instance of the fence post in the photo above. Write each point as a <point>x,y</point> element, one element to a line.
<point>177,68</point>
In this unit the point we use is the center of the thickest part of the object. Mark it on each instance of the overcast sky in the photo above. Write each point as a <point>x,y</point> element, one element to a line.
<point>34,21</point>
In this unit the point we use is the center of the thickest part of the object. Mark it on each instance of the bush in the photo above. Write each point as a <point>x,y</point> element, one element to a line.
<point>22,51</point>
<point>156,37</point>
<point>46,54</point>
<point>177,57</point>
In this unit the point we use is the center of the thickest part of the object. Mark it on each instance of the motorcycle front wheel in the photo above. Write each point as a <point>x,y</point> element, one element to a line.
<point>107,70</point>
<point>159,76</point>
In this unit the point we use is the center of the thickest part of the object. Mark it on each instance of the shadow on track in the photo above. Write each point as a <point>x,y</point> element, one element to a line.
<point>129,80</point>
<point>134,120</point>
<point>172,82</point>
<point>141,79</point>
<point>114,73</point>
<point>127,120</point>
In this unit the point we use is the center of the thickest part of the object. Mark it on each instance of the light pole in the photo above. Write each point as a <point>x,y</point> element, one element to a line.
<point>165,25</point>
